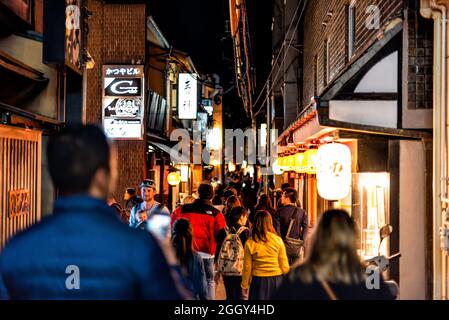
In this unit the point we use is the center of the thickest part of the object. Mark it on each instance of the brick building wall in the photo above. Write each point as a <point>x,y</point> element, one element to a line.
<point>335,33</point>
<point>420,58</point>
<point>116,36</point>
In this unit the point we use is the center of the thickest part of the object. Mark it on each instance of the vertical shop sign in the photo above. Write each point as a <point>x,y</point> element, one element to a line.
<point>187,96</point>
<point>123,101</point>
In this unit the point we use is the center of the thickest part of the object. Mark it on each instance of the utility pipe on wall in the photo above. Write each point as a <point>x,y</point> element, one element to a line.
<point>430,9</point>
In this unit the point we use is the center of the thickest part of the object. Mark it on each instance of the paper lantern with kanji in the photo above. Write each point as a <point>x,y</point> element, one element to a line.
<point>333,171</point>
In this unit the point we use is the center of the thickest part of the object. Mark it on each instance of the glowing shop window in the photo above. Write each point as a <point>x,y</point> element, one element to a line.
<point>371,210</point>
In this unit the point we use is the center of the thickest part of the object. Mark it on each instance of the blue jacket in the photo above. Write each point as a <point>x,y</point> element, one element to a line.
<point>84,237</point>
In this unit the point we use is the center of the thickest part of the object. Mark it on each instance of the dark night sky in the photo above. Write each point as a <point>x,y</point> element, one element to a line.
<point>198,27</point>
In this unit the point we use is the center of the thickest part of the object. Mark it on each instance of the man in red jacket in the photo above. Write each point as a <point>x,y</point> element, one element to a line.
<point>208,230</point>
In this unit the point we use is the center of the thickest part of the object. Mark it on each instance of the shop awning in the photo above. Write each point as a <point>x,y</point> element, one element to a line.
<point>167,146</point>
<point>179,158</point>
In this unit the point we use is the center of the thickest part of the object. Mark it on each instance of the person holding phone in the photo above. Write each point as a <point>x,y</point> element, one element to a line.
<point>141,212</point>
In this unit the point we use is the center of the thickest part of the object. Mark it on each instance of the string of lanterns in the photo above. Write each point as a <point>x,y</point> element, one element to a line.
<point>331,163</point>
<point>302,162</point>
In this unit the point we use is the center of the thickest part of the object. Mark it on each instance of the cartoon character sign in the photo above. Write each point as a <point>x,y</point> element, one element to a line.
<point>73,33</point>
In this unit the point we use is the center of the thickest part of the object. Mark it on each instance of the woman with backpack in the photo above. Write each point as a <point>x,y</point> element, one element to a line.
<point>265,259</point>
<point>189,260</point>
<point>230,260</point>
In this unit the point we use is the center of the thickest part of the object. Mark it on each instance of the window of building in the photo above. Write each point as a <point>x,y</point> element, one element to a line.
<point>350,30</point>
<point>315,75</point>
<point>326,64</point>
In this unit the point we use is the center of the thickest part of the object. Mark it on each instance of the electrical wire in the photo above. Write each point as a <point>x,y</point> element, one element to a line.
<point>247,65</point>
<point>280,50</point>
<point>283,60</point>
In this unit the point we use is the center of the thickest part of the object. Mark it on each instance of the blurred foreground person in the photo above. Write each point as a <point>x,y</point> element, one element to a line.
<point>265,259</point>
<point>111,202</point>
<point>82,251</point>
<point>332,269</point>
<point>188,259</point>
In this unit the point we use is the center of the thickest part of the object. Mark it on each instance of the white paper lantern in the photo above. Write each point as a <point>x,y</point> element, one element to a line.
<point>277,169</point>
<point>333,171</point>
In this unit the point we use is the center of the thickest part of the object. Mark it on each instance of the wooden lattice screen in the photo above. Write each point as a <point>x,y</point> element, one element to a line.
<point>20,180</point>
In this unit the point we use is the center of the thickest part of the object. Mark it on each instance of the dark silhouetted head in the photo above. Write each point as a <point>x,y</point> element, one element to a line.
<point>290,195</point>
<point>217,201</point>
<point>205,191</point>
<point>285,186</point>
<point>75,158</point>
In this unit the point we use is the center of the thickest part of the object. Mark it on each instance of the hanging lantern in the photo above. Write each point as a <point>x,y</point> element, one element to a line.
<point>184,173</point>
<point>310,159</point>
<point>299,162</point>
<point>276,167</point>
<point>281,162</point>
<point>290,163</point>
<point>333,171</point>
<point>173,178</point>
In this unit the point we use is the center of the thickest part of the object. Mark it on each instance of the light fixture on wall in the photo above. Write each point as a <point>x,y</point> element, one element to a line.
<point>173,178</point>
<point>88,60</point>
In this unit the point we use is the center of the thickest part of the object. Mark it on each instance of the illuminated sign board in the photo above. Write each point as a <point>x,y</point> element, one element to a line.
<point>187,96</point>
<point>123,102</point>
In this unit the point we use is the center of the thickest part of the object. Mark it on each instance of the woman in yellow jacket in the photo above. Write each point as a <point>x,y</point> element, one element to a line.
<point>265,260</point>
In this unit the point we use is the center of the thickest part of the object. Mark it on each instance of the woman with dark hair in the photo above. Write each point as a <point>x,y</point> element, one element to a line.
<point>131,200</point>
<point>189,260</point>
<point>332,268</point>
<point>217,201</point>
<point>265,259</point>
<point>237,221</point>
<point>231,202</point>
<point>264,203</point>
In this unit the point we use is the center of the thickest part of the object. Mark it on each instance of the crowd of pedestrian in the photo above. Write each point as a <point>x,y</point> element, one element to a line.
<point>230,233</point>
